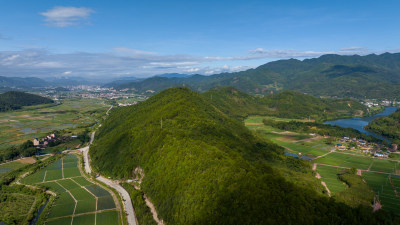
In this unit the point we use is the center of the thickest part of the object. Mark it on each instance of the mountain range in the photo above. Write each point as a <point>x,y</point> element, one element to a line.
<point>371,76</point>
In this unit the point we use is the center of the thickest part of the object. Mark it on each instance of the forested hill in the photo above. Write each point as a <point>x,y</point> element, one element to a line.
<point>371,76</point>
<point>387,126</point>
<point>202,167</point>
<point>12,100</point>
<point>286,104</point>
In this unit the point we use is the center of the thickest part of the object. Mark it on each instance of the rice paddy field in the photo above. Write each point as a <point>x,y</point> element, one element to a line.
<point>10,166</point>
<point>79,200</point>
<point>381,175</point>
<point>30,122</point>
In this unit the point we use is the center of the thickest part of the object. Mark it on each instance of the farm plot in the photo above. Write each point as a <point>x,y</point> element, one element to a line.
<point>78,199</point>
<point>345,160</point>
<point>384,165</point>
<point>383,188</point>
<point>330,176</point>
<point>7,167</point>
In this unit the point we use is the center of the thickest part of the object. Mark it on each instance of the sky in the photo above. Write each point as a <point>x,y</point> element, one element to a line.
<point>112,39</point>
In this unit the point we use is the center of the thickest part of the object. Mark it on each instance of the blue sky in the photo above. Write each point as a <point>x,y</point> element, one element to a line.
<point>143,38</point>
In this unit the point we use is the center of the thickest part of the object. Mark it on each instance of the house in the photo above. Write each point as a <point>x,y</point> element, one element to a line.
<point>53,135</point>
<point>36,142</point>
<point>378,154</point>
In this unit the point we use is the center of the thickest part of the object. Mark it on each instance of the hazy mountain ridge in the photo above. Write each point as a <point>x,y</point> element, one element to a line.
<point>371,76</point>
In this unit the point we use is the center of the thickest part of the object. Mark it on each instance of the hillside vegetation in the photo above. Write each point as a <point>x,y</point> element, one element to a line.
<point>387,126</point>
<point>202,167</point>
<point>286,104</point>
<point>371,76</point>
<point>12,100</point>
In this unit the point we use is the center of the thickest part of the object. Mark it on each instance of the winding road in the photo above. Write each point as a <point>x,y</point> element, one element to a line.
<point>126,200</point>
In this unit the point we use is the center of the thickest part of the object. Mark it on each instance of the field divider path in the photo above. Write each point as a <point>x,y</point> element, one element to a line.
<point>62,167</point>
<point>76,201</point>
<point>369,168</point>
<point>97,199</point>
<point>372,171</point>
<point>49,181</point>
<point>324,154</point>
<point>44,177</point>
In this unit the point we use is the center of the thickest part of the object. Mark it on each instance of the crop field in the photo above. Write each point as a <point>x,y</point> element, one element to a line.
<point>7,167</point>
<point>383,187</point>
<point>330,177</point>
<point>78,199</point>
<point>359,162</point>
<point>293,142</point>
<point>19,126</point>
<point>345,160</point>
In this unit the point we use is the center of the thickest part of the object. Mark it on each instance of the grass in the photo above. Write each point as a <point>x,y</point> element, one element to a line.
<point>68,189</point>
<point>17,205</point>
<point>330,176</point>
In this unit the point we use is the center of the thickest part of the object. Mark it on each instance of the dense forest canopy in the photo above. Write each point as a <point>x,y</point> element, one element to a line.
<point>371,76</point>
<point>203,167</point>
<point>12,100</point>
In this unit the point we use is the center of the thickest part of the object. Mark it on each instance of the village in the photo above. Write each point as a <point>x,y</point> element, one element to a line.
<point>369,148</point>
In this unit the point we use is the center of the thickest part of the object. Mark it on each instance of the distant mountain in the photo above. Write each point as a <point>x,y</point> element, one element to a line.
<point>171,75</point>
<point>122,80</point>
<point>371,76</point>
<point>12,100</point>
<point>26,82</point>
<point>199,166</point>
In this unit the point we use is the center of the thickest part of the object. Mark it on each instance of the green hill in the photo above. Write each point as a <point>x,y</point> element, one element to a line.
<point>286,104</point>
<point>371,76</point>
<point>12,100</point>
<point>202,167</point>
<point>387,126</point>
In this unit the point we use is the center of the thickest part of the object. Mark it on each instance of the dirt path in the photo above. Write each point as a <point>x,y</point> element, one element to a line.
<point>377,206</point>
<point>153,210</point>
<point>358,169</point>
<point>359,172</point>
<point>314,166</point>
<point>394,188</point>
<point>324,154</point>
<point>253,124</point>
<point>326,187</point>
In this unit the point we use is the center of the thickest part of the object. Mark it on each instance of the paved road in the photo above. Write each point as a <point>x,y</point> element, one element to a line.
<point>123,193</point>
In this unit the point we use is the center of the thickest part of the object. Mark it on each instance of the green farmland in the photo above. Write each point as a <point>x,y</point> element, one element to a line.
<point>78,200</point>
<point>329,176</point>
<point>38,121</point>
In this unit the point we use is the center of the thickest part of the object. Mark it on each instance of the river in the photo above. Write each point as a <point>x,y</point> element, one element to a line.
<point>359,123</point>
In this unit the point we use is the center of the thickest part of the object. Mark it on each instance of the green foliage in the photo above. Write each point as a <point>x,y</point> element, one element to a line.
<point>142,211</point>
<point>319,128</point>
<point>387,126</point>
<point>357,193</point>
<point>26,149</point>
<point>12,100</point>
<point>286,104</point>
<point>202,167</point>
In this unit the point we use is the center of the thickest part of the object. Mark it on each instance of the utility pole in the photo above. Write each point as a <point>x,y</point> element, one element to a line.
<point>161,122</point>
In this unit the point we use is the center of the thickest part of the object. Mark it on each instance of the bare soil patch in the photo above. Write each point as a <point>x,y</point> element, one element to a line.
<point>29,160</point>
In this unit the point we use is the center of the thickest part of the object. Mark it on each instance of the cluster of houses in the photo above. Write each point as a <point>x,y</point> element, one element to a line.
<point>44,142</point>
<point>365,146</point>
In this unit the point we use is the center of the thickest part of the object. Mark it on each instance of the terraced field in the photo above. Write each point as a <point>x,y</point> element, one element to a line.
<point>79,200</point>
<point>384,188</point>
<point>329,176</point>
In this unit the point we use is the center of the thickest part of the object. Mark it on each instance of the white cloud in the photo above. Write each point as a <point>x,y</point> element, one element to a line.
<point>42,63</point>
<point>61,16</point>
<point>130,51</point>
